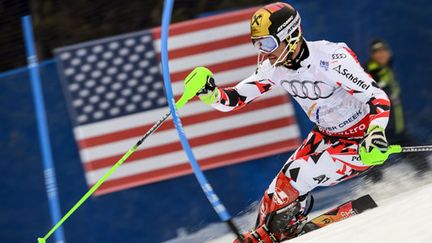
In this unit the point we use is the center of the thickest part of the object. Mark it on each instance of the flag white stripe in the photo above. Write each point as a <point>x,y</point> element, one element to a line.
<point>91,130</point>
<point>211,57</point>
<point>192,131</point>
<point>148,118</point>
<point>206,35</point>
<point>201,152</point>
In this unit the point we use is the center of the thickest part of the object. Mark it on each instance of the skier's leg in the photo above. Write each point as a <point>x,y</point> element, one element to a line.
<point>337,163</point>
<point>276,211</point>
<point>314,142</point>
<point>281,214</point>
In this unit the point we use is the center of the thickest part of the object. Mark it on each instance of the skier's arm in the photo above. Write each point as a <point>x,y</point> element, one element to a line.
<point>231,98</point>
<point>348,73</point>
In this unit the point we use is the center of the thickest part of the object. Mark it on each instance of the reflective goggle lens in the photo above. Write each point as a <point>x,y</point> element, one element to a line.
<point>265,44</point>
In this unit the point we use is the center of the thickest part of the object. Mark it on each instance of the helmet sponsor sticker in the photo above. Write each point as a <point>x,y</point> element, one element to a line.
<point>290,27</point>
<point>285,23</point>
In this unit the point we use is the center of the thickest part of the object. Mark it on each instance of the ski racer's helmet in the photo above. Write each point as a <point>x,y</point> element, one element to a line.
<point>273,24</point>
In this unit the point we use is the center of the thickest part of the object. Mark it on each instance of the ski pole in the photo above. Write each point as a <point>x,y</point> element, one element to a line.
<point>190,90</point>
<point>187,95</point>
<point>376,157</point>
<point>411,149</point>
<point>395,149</point>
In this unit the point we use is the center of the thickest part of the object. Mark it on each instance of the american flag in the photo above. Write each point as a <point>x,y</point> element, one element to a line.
<point>115,94</point>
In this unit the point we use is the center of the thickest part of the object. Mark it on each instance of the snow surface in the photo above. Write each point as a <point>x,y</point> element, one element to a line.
<point>404,212</point>
<point>395,221</point>
<point>392,222</point>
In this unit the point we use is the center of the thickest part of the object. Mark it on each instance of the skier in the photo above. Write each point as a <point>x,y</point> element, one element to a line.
<point>345,103</point>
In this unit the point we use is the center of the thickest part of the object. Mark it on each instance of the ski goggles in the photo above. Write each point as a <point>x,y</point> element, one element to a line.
<point>266,44</point>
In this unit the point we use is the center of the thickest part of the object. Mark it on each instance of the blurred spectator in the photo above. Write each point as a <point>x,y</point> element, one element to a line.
<point>379,67</point>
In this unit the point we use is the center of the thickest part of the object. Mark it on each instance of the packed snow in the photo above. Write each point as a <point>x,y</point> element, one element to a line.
<point>404,212</point>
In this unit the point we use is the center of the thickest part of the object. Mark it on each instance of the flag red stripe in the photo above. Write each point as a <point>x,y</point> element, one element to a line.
<point>194,142</point>
<point>206,23</point>
<point>209,46</point>
<point>219,67</point>
<point>209,163</point>
<point>137,131</point>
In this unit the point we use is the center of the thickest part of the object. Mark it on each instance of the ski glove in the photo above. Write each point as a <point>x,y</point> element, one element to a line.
<point>374,146</point>
<point>210,93</point>
<point>201,80</point>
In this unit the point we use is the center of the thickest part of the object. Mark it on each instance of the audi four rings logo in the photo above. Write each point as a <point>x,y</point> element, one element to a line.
<point>339,56</point>
<point>312,90</point>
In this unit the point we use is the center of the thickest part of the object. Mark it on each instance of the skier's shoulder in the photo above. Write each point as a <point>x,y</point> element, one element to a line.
<point>331,50</point>
<point>337,53</point>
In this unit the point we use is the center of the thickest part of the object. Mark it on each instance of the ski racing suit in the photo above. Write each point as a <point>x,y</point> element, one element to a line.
<point>338,96</point>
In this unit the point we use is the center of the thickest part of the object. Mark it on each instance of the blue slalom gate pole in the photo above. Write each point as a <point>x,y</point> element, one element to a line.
<point>205,185</point>
<point>49,171</point>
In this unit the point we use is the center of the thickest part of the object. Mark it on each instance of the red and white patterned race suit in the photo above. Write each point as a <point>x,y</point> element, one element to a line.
<point>337,95</point>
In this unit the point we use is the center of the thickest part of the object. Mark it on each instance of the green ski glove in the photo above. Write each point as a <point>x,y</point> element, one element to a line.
<point>374,147</point>
<point>376,157</point>
<point>209,96</point>
<point>200,82</point>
